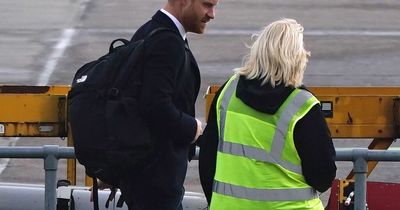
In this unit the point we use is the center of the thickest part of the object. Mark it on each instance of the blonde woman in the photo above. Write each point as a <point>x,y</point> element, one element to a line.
<point>267,144</point>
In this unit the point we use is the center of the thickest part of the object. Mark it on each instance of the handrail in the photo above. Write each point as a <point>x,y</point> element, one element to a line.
<point>360,158</point>
<point>52,153</point>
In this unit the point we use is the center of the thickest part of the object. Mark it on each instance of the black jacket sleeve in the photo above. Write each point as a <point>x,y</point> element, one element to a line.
<point>208,143</point>
<point>315,148</point>
<point>165,54</point>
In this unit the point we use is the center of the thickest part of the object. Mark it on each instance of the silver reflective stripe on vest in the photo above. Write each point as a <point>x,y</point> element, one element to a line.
<point>281,130</point>
<point>256,154</point>
<point>279,137</point>
<point>246,151</point>
<point>224,108</point>
<point>291,194</point>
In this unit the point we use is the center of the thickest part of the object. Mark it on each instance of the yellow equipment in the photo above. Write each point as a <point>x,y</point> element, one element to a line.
<point>33,111</point>
<point>36,111</point>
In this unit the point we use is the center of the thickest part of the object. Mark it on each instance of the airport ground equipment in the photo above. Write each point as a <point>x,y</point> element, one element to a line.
<point>37,111</point>
<point>357,113</point>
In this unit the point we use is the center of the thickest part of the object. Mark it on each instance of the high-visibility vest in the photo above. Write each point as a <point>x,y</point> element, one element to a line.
<point>258,167</point>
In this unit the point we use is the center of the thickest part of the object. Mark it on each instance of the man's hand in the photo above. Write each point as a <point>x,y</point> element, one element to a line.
<point>199,131</point>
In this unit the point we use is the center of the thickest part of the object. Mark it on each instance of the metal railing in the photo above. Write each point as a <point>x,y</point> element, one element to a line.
<point>360,158</point>
<point>52,153</point>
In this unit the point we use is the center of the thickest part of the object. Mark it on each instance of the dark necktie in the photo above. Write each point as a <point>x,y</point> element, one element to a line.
<point>186,44</point>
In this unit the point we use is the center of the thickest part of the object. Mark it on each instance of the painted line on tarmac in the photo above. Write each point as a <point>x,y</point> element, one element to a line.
<point>239,32</point>
<point>4,161</point>
<point>57,53</point>
<point>44,77</point>
<point>49,68</point>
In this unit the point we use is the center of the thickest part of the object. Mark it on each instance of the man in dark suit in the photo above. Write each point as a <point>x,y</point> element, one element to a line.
<point>170,88</point>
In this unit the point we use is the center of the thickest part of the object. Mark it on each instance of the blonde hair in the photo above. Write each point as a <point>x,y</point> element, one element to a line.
<point>277,55</point>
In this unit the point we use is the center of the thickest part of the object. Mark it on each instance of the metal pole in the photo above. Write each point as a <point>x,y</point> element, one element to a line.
<point>50,167</point>
<point>360,170</point>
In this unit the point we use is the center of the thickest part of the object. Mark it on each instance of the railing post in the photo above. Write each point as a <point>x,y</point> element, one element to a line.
<point>360,161</point>
<point>50,167</point>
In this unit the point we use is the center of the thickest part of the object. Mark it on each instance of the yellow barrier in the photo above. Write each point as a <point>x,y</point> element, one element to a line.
<point>36,111</point>
<point>33,111</point>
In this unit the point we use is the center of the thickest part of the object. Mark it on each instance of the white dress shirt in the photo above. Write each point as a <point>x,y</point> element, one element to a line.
<point>176,22</point>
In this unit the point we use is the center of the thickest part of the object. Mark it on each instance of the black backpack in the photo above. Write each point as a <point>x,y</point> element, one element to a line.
<point>110,138</point>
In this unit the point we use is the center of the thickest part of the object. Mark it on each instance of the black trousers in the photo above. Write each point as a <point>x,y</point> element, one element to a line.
<point>141,196</point>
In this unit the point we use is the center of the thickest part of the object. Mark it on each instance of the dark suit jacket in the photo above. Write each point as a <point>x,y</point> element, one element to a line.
<point>167,104</point>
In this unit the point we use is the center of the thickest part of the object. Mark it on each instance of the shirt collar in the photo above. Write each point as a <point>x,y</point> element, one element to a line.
<point>176,22</point>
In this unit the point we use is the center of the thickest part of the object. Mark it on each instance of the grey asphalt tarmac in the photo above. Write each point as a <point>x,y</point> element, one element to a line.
<point>352,43</point>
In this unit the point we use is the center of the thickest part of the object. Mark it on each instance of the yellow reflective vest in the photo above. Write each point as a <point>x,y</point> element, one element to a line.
<point>258,167</point>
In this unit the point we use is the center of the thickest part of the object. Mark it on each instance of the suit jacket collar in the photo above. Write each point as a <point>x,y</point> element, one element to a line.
<point>164,20</point>
<point>177,23</point>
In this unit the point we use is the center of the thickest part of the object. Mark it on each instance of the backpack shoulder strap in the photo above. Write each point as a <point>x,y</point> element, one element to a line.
<point>124,76</point>
<point>158,30</point>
